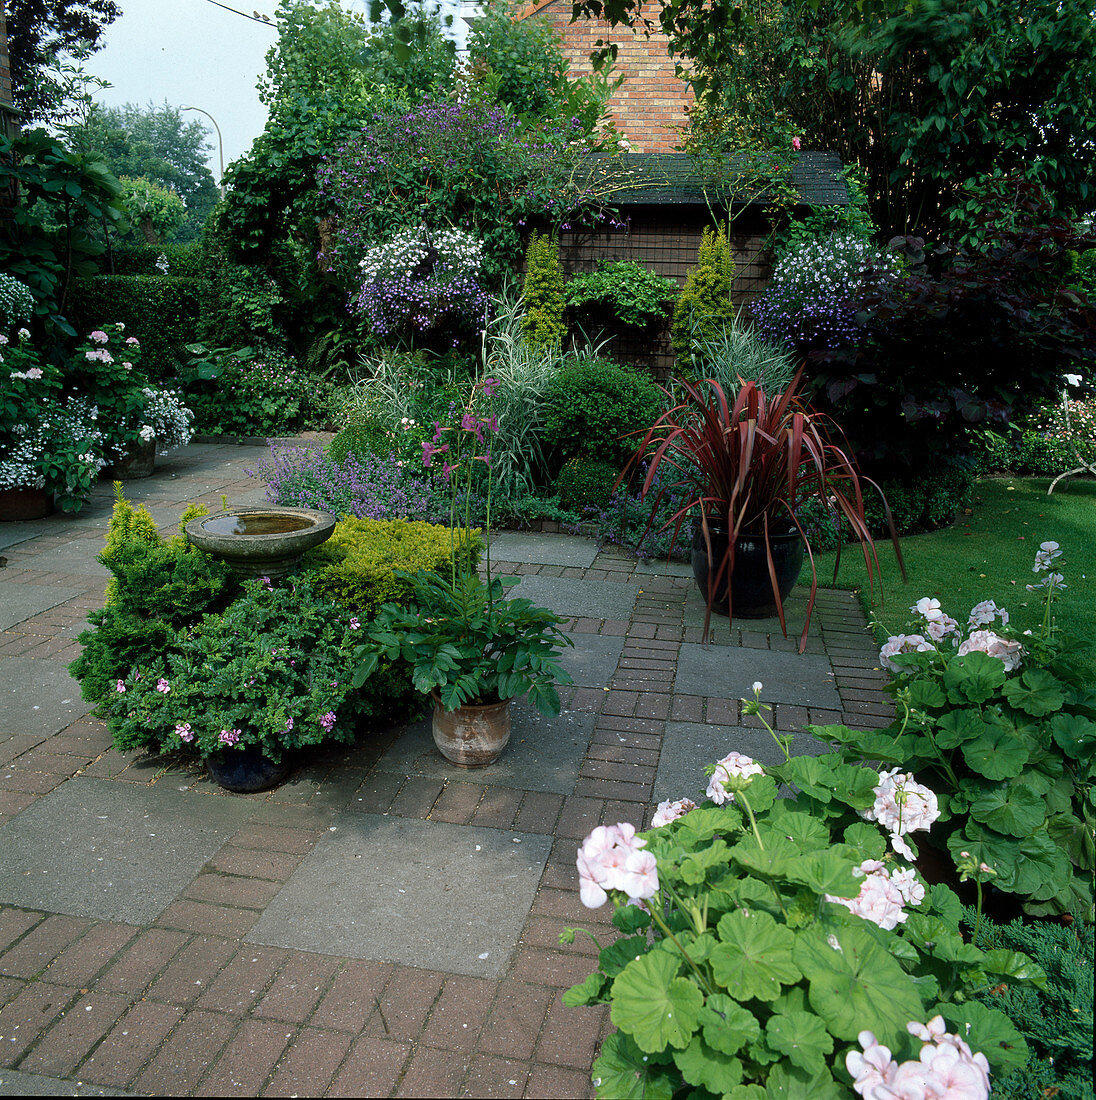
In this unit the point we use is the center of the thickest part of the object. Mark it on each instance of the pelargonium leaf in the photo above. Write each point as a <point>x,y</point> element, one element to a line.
<point>623,1072</point>
<point>1037,692</point>
<point>727,1026</point>
<point>989,1031</point>
<point>1011,808</point>
<point>957,726</point>
<point>792,1083</point>
<point>710,1069</point>
<point>974,677</point>
<point>653,1005</point>
<point>587,992</point>
<point>995,755</point>
<point>802,1037</point>
<point>754,956</point>
<point>1074,735</point>
<point>855,985</point>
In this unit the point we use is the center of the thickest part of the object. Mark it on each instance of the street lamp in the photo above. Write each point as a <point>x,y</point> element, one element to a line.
<point>220,143</point>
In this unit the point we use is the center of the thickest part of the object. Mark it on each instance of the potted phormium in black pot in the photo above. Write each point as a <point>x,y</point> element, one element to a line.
<point>746,463</point>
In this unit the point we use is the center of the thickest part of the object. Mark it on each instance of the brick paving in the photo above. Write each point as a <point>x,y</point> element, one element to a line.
<point>186,1006</point>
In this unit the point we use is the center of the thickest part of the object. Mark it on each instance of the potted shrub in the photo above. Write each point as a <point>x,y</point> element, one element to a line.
<point>244,689</point>
<point>745,467</point>
<point>468,646</point>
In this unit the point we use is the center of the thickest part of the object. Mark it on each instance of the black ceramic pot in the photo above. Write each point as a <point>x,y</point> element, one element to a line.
<point>751,587</point>
<point>243,771</point>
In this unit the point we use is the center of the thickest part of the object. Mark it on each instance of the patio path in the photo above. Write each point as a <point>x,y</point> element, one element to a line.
<point>383,923</point>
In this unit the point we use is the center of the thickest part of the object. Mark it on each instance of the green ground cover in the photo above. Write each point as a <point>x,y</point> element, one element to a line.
<point>987,555</point>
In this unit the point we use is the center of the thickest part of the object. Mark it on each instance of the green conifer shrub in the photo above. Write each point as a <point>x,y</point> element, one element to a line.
<point>542,293</point>
<point>357,566</point>
<point>704,309</point>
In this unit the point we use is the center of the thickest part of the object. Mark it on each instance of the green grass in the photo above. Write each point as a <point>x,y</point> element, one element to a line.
<point>987,555</point>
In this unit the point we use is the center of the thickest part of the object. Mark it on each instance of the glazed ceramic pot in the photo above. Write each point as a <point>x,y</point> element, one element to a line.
<point>751,587</point>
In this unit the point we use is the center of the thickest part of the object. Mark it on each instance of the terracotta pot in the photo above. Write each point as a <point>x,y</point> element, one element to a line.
<point>472,736</point>
<point>139,462</point>
<point>751,587</point>
<point>23,504</point>
<point>245,770</point>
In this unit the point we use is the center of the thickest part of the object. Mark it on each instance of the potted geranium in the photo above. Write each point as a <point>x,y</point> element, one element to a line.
<point>50,446</point>
<point>139,419</point>
<point>746,464</point>
<point>468,646</point>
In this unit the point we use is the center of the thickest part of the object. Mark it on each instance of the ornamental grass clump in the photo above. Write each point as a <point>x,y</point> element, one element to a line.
<point>780,946</point>
<point>1003,725</point>
<point>744,468</point>
<point>462,639</point>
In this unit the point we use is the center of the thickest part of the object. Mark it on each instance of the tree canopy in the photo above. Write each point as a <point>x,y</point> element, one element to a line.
<point>39,31</point>
<point>935,99</point>
<point>156,144</point>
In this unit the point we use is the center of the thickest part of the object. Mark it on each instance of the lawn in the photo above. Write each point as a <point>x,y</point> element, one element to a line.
<point>988,554</point>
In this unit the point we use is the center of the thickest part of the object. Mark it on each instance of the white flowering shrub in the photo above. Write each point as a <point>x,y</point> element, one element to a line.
<point>170,422</point>
<point>813,297</point>
<point>421,280</point>
<point>16,303</point>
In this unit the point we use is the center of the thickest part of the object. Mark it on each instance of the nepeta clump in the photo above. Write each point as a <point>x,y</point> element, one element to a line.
<point>422,280</point>
<point>367,486</point>
<point>815,293</point>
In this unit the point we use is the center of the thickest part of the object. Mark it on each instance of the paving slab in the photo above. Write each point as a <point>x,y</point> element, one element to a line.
<point>575,597</point>
<point>53,704</point>
<point>111,851</point>
<point>689,747</point>
<point>724,633</point>
<point>593,659</point>
<point>544,549</point>
<point>19,602</point>
<point>77,556</point>
<point>660,567</point>
<point>421,893</point>
<point>802,679</point>
<point>544,754</point>
<point>11,534</point>
<point>14,1083</point>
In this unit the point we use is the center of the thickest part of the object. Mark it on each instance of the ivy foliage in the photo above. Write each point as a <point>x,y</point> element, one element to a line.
<point>633,294</point>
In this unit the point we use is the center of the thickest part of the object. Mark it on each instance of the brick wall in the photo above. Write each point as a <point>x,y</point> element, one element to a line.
<point>666,240</point>
<point>650,107</point>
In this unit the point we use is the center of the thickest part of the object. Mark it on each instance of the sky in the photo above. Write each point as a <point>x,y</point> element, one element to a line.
<point>192,53</point>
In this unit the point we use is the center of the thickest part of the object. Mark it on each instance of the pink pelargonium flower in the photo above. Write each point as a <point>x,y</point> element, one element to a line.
<point>354,624</point>
<point>328,721</point>
<point>796,144</point>
<point>985,641</point>
<point>34,372</point>
<point>133,342</point>
<point>946,1068</point>
<point>670,811</point>
<point>229,737</point>
<point>162,686</point>
<point>733,765</point>
<point>120,687</point>
<point>99,337</point>
<point>184,732</point>
<point>882,896</point>
<point>902,643</point>
<point>1044,556</point>
<point>607,861</point>
<point>982,614</point>
<point>902,806</point>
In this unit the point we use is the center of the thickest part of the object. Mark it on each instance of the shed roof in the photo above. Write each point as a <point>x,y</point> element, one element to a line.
<point>662,179</point>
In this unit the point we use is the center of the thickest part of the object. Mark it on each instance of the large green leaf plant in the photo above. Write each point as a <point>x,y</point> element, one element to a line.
<point>754,958</point>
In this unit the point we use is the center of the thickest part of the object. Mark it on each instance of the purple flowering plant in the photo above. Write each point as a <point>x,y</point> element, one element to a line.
<point>462,638</point>
<point>270,672</point>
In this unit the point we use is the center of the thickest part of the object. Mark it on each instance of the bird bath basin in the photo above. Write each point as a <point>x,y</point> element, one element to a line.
<point>258,542</point>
